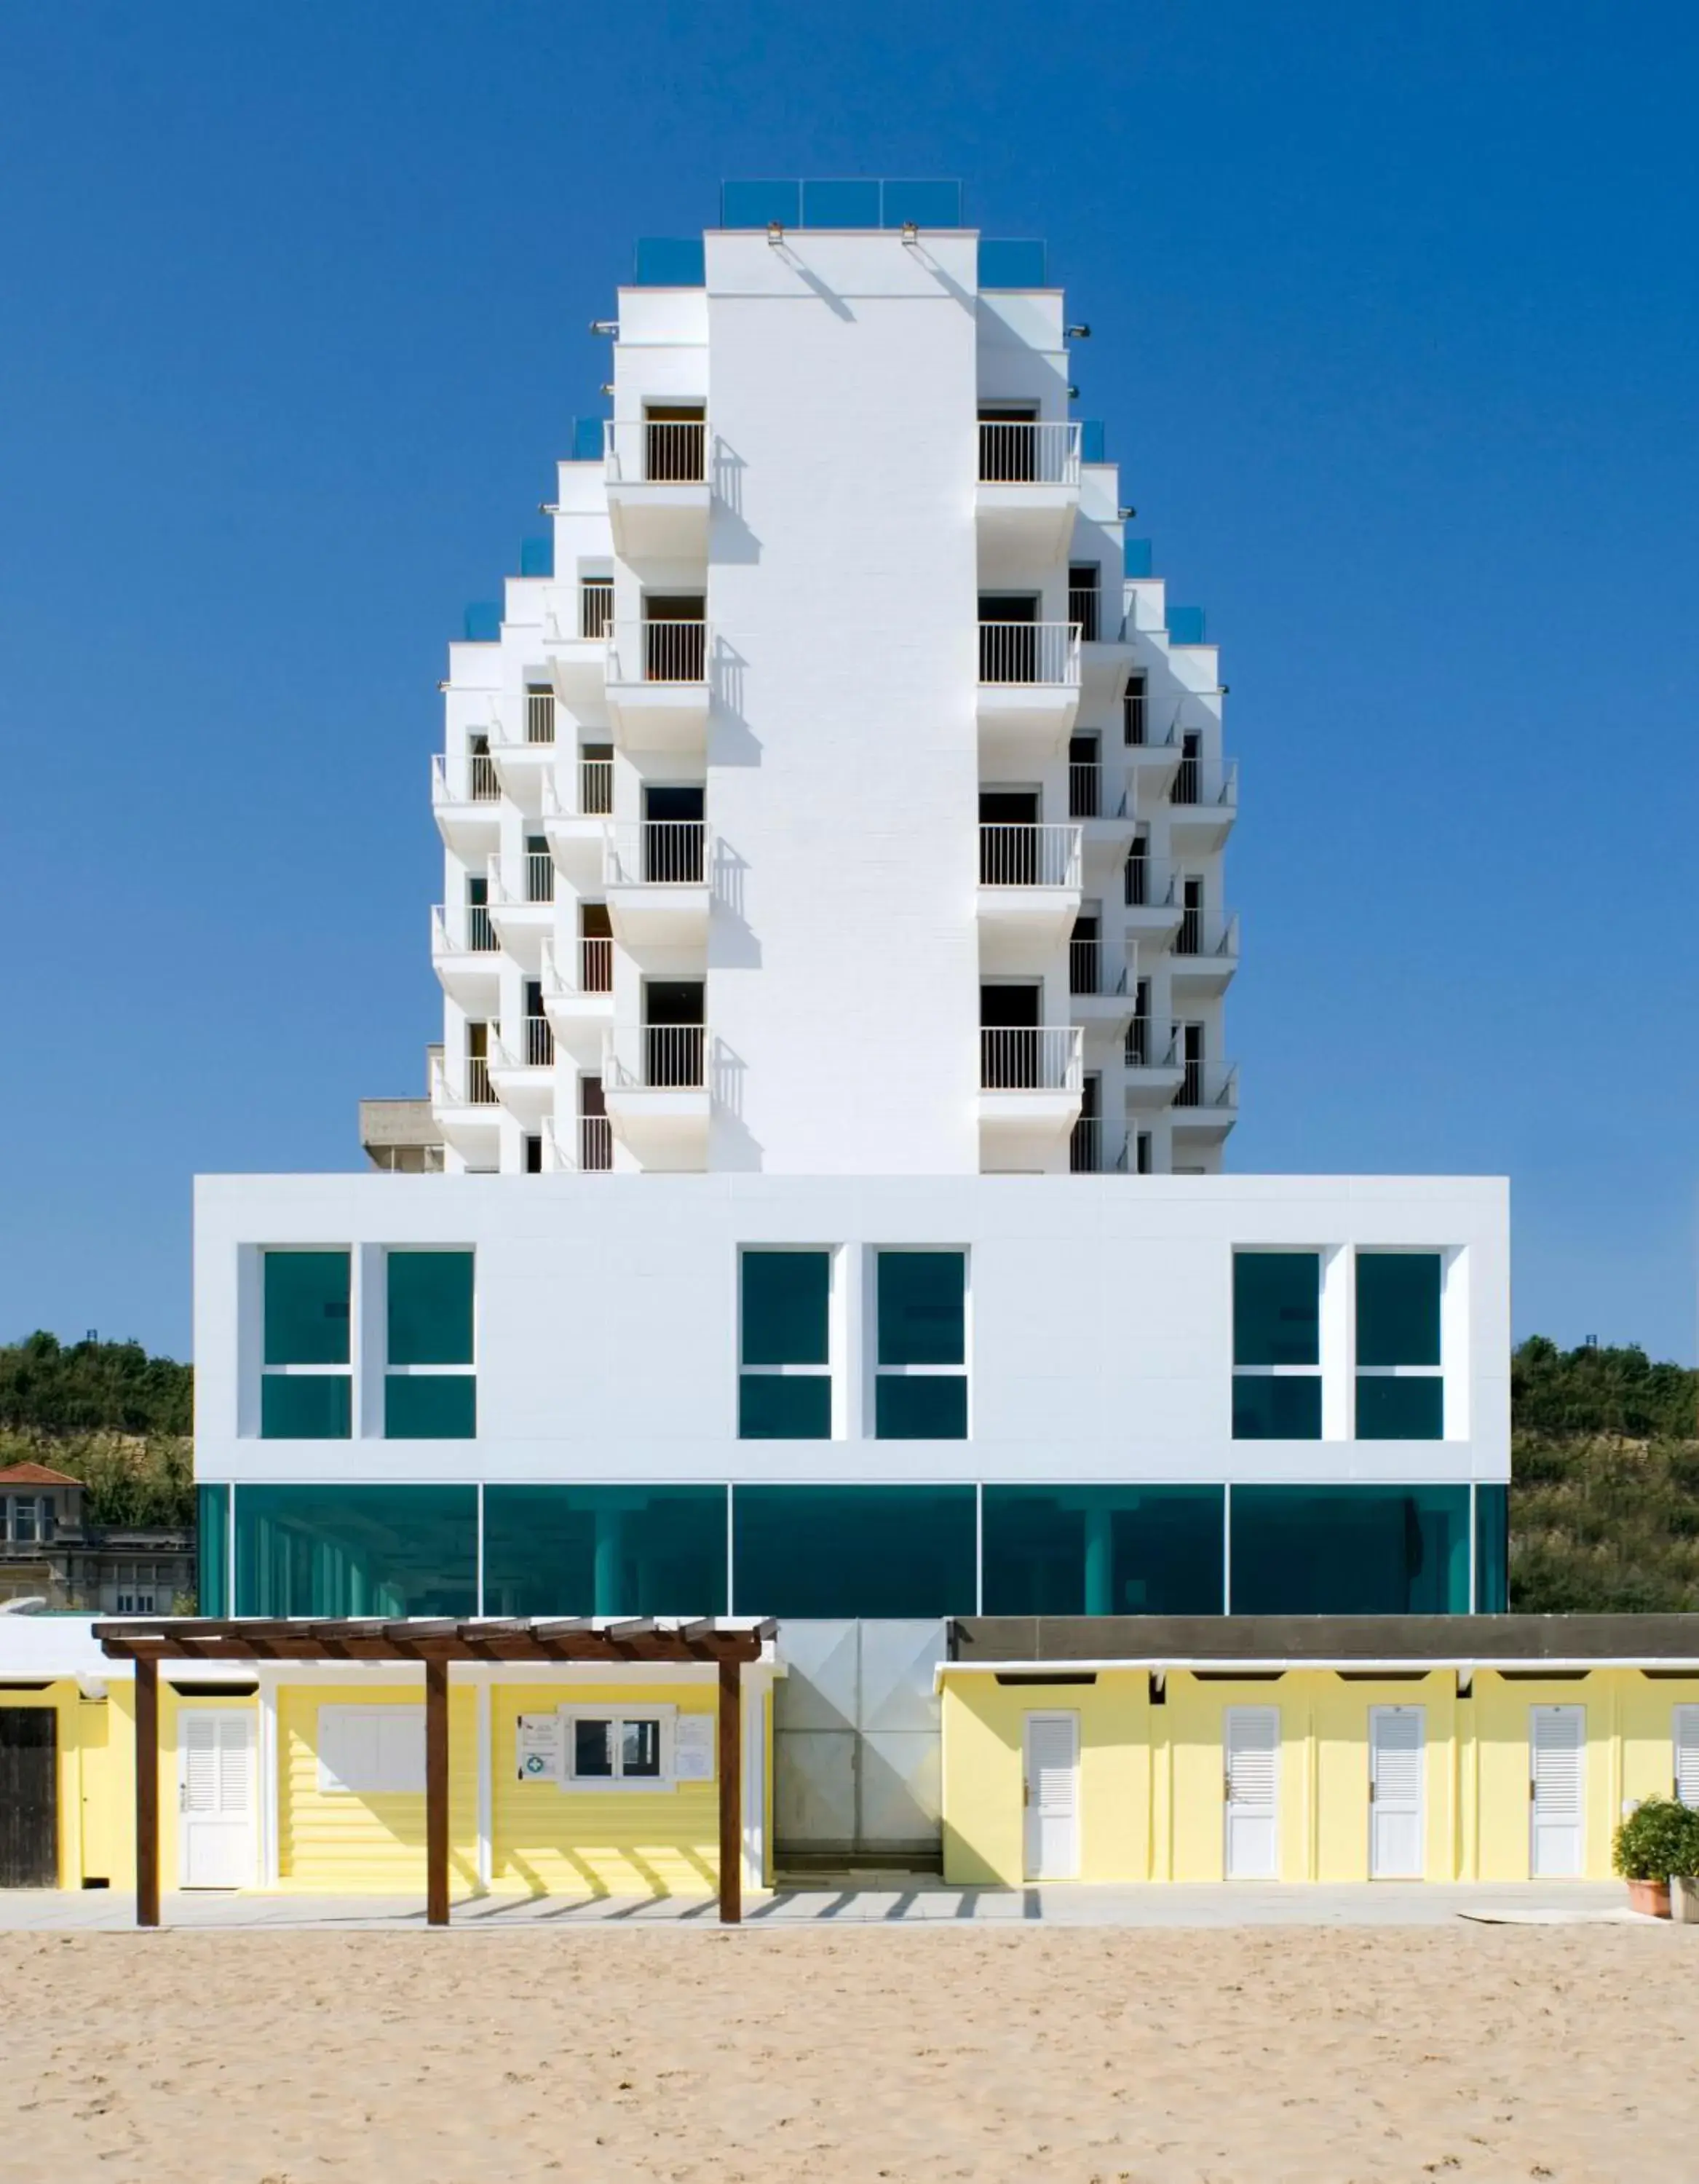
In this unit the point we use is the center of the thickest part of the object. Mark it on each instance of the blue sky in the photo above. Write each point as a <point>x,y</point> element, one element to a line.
<point>1394,331</point>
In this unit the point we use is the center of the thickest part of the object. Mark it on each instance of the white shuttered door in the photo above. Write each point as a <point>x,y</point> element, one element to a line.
<point>1685,1769</point>
<point>1556,1751</point>
<point>215,1800</point>
<point>1397,1744</point>
<point>1251,1755</point>
<point>1051,1793</point>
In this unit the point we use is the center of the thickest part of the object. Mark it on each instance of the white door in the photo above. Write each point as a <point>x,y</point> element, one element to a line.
<point>1251,1740</point>
<point>215,1800</point>
<point>1556,1752</point>
<point>1684,1769</point>
<point>1397,1746</point>
<point>1050,1794</point>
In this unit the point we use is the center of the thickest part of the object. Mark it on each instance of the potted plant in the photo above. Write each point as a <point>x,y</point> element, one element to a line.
<point>1657,1839</point>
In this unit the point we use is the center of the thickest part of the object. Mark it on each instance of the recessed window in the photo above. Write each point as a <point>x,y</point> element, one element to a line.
<point>1401,1386</point>
<point>373,1752</point>
<point>784,1385</point>
<point>631,1746</point>
<point>306,1390</point>
<point>1277,1335</point>
<point>427,1395</point>
<point>921,1378</point>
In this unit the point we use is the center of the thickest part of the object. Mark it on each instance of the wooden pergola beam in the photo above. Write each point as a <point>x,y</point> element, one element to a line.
<point>147,1793</point>
<point>731,1741</point>
<point>435,1793</point>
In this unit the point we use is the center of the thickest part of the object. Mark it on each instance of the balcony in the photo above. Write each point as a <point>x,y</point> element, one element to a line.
<point>521,1069</point>
<point>657,476</point>
<point>578,995</point>
<point>524,763</point>
<point>466,801</point>
<point>1028,694</point>
<point>655,879</point>
<point>1153,1064</point>
<point>1154,898</point>
<point>586,1147</point>
<point>1029,490</point>
<point>463,1099</point>
<point>655,1085</point>
<point>522,909</point>
<point>578,831</point>
<point>657,685</point>
<point>1029,883</point>
<point>1203,799</point>
<point>1096,1147</point>
<point>1207,1104</point>
<point>466,956</point>
<point>1105,653</point>
<point>1031,1083</point>
<point>577,621</point>
<point>1106,811</point>
<point>1205,952</point>
<point>1101,990</point>
<point>1153,756</point>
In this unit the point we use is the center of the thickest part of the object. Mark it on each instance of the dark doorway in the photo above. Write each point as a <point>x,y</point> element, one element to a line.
<point>672,836</point>
<point>1008,637</point>
<point>1008,837</point>
<point>1008,1037</point>
<point>673,1038</point>
<point>29,1797</point>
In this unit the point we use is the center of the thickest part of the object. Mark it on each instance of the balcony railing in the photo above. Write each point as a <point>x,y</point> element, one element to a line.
<point>1084,606</point>
<point>595,967</point>
<point>1036,1059</point>
<point>1208,1085</point>
<point>657,451</point>
<point>1146,1049</point>
<point>1092,970</point>
<point>1022,855</point>
<point>1027,653</point>
<point>1095,1148</point>
<point>659,652</point>
<point>467,1085</point>
<point>595,1136</point>
<point>657,1057</point>
<point>539,876</point>
<point>469,931</point>
<point>658,853</point>
<point>539,716</point>
<point>463,777</point>
<point>1196,781</point>
<point>595,787</point>
<point>1024,452</point>
<point>595,607</point>
<point>1150,884</point>
<point>1208,932</point>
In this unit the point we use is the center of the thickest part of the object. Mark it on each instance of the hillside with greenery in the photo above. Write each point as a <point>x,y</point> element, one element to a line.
<point>108,1415</point>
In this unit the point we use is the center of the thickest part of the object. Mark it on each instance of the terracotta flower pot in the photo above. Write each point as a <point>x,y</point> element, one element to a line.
<point>1650,1896</point>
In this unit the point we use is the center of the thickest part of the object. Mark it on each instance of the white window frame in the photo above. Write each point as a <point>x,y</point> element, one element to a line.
<point>25,1508</point>
<point>1317,1372</point>
<point>634,1785</point>
<point>333,1785</point>
<point>834,1346</point>
<point>349,1371</point>
<point>467,1371</point>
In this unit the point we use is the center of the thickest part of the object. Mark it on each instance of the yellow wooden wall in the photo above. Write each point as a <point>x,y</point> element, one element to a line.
<point>337,1840</point>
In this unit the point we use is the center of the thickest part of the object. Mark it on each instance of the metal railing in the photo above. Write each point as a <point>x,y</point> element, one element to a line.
<point>1084,790</point>
<point>656,450</point>
<point>595,967</point>
<point>1020,854</point>
<point>595,1135</point>
<point>1197,782</point>
<point>657,853</point>
<point>539,716</point>
<point>463,777</point>
<point>1022,451</point>
<point>1084,606</point>
<point>1208,1085</point>
<point>539,876</point>
<point>1150,884</point>
<point>469,933</point>
<point>469,1086</point>
<point>538,1042</point>
<point>595,606</point>
<point>657,1057</point>
<point>1029,652</point>
<point>1143,1050</point>
<point>1029,1059</point>
<point>1207,933</point>
<point>1092,970</point>
<point>595,787</point>
<point>1095,1148</point>
<point>658,652</point>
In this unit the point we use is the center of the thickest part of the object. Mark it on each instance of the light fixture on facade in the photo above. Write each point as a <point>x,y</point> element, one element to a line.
<point>1125,514</point>
<point>910,233</point>
<point>549,508</point>
<point>775,233</point>
<point>1078,334</point>
<point>605,326</point>
<point>607,387</point>
<point>1073,395</point>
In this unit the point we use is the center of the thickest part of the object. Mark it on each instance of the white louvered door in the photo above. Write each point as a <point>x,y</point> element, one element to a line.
<point>215,1800</point>
<point>1397,1748</point>
<point>1051,1789</point>
<point>1557,1756</point>
<point>1250,1754</point>
<point>1685,1765</point>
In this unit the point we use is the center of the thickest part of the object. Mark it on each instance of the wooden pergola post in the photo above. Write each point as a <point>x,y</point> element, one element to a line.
<point>436,1792</point>
<point>731,1793</point>
<point>147,1791</point>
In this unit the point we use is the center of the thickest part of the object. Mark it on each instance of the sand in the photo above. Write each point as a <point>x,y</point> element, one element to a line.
<point>763,2058</point>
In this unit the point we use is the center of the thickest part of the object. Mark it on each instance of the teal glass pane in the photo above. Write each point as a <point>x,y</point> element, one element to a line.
<point>848,1551</point>
<point>1492,1550</point>
<point>927,204</point>
<point>928,1407</point>
<point>922,1309</point>
<point>604,1551</point>
<point>1289,1408</point>
<point>306,1307</point>
<point>759,203</point>
<point>431,1406</point>
<point>1398,1308</point>
<point>1004,264</point>
<point>430,1308</point>
<point>211,1549</point>
<point>786,1298</point>
<point>840,204</point>
<point>1350,1550</point>
<point>1103,1550</point>
<point>1400,1410</point>
<point>784,1406</point>
<point>1277,1307</point>
<point>305,1406</point>
<point>392,1550</point>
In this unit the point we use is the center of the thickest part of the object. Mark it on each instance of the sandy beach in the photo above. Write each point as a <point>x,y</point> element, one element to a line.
<point>761,2058</point>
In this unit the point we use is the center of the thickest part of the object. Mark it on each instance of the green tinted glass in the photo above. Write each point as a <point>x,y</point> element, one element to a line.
<point>1350,1550</point>
<point>305,1406</point>
<point>392,1550</point>
<point>306,1307</point>
<point>1103,1550</point>
<point>212,1542</point>
<point>1400,1409</point>
<point>1492,1550</point>
<point>431,1406</point>
<point>927,1407</point>
<point>784,1406</point>
<point>1398,1308</point>
<point>785,1307</point>
<point>430,1308</point>
<point>922,1309</point>
<point>1265,1409</point>
<point>1277,1307</point>
<point>604,1551</point>
<point>854,1551</point>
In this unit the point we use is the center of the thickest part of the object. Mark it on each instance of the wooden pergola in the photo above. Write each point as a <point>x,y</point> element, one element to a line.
<point>435,1644</point>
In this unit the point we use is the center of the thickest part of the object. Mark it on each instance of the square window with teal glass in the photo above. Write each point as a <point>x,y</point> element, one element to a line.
<point>430,1407</point>
<point>786,1307</point>
<point>923,1311</point>
<point>430,1308</point>
<point>921,1406</point>
<point>1400,1407</point>
<point>784,1406</point>
<point>305,1406</point>
<point>1277,1407</point>
<point>1277,1307</point>
<point>1398,1308</point>
<point>306,1307</point>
